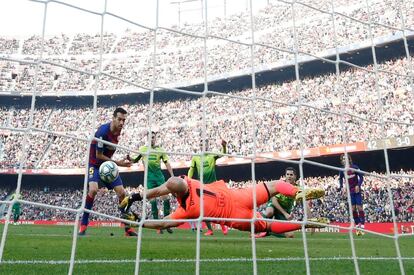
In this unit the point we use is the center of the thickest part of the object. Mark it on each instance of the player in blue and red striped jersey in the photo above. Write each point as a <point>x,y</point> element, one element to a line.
<point>355,180</point>
<point>99,153</point>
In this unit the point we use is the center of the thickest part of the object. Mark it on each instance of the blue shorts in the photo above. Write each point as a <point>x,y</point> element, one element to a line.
<point>356,198</point>
<point>93,176</point>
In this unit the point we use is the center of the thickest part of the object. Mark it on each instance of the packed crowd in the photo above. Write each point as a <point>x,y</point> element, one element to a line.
<point>277,126</point>
<point>180,57</point>
<point>334,206</point>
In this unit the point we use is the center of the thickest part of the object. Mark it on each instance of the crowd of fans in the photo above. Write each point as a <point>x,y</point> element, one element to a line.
<point>334,205</point>
<point>180,56</point>
<point>277,126</point>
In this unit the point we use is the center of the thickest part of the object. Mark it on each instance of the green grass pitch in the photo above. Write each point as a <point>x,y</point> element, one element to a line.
<point>46,250</point>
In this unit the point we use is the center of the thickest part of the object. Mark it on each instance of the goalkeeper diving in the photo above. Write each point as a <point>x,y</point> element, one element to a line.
<point>221,202</point>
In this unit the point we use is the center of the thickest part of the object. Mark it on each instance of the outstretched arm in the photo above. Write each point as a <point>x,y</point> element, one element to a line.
<point>160,224</point>
<point>174,185</point>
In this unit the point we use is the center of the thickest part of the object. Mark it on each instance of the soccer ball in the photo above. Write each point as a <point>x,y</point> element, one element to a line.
<point>108,171</point>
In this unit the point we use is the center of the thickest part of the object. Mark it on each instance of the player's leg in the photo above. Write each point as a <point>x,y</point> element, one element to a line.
<point>151,184</point>
<point>361,213</point>
<point>93,180</point>
<point>360,209</point>
<point>16,212</point>
<point>119,189</point>
<point>274,227</point>
<point>289,190</point>
<point>269,213</point>
<point>354,208</point>
<point>279,216</point>
<point>267,190</point>
<point>90,197</point>
<point>165,201</point>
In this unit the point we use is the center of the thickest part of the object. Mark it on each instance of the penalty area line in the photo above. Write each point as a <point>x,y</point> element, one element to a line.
<point>103,261</point>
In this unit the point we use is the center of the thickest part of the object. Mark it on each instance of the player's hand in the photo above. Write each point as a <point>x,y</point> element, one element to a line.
<point>123,163</point>
<point>288,216</point>
<point>357,189</point>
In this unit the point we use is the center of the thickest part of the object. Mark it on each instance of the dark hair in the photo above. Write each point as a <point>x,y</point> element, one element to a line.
<point>349,158</point>
<point>291,169</point>
<point>120,110</point>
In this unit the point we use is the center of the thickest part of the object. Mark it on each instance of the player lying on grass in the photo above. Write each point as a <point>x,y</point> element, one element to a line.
<point>221,202</point>
<point>280,207</point>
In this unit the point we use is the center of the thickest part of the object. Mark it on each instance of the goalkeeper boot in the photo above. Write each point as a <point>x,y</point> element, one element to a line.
<point>82,230</point>
<point>309,194</point>
<point>209,233</point>
<point>322,222</point>
<point>169,230</point>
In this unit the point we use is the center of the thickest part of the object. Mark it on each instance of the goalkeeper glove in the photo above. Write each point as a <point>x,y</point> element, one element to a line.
<point>131,217</point>
<point>128,201</point>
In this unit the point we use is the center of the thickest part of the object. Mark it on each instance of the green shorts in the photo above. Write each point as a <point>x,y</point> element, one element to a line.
<point>277,215</point>
<point>154,182</point>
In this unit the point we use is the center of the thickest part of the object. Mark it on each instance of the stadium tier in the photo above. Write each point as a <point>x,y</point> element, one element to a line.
<point>292,120</point>
<point>180,60</point>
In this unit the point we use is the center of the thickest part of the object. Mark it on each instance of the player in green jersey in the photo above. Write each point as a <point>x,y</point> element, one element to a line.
<point>209,174</point>
<point>280,207</point>
<point>16,210</point>
<point>155,176</point>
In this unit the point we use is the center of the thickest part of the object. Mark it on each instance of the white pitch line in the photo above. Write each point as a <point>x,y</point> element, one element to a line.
<point>186,237</point>
<point>293,259</point>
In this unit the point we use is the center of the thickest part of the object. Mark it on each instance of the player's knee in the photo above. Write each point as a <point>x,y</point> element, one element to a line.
<point>92,192</point>
<point>121,194</point>
<point>269,213</point>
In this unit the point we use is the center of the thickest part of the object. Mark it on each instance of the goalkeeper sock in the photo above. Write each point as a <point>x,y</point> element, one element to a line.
<point>166,204</point>
<point>154,209</point>
<point>285,188</point>
<point>88,205</point>
<point>279,227</point>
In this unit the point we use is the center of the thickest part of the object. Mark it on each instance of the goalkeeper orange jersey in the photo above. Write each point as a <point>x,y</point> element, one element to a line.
<point>221,202</point>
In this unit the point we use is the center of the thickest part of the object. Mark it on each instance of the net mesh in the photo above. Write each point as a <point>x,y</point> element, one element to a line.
<point>294,9</point>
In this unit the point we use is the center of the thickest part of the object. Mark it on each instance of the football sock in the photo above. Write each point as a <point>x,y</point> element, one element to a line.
<point>279,227</point>
<point>154,209</point>
<point>88,205</point>
<point>166,204</point>
<point>356,217</point>
<point>361,215</point>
